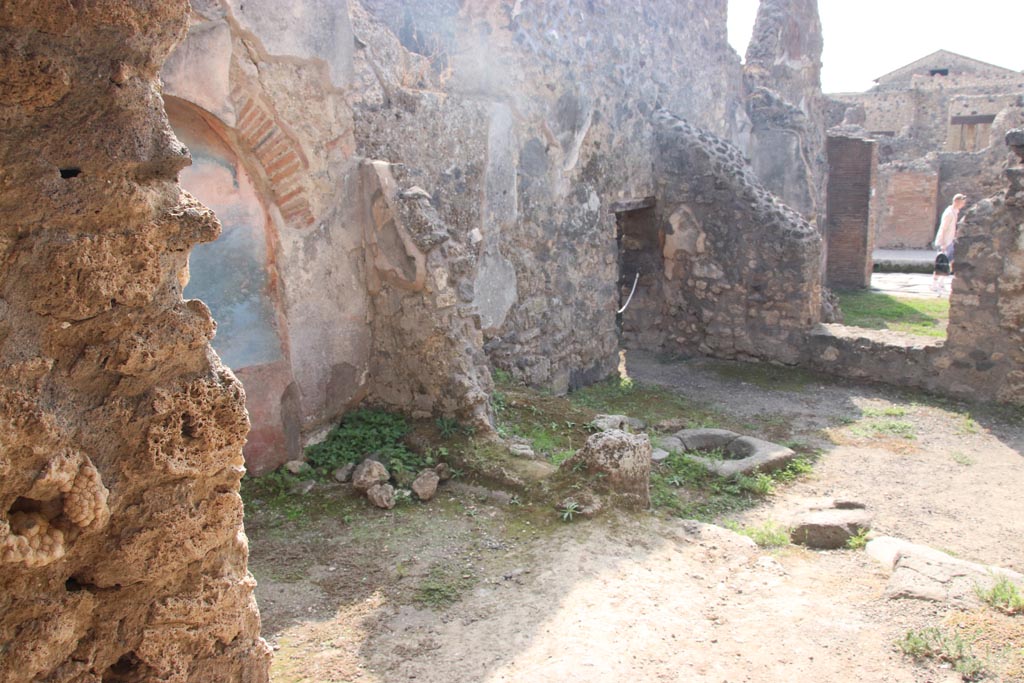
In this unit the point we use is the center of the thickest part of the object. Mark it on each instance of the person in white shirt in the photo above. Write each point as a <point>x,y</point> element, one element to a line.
<point>945,238</point>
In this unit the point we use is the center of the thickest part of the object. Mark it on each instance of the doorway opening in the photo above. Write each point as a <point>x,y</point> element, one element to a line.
<point>641,269</point>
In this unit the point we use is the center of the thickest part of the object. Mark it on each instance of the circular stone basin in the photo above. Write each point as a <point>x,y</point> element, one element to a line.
<point>740,454</point>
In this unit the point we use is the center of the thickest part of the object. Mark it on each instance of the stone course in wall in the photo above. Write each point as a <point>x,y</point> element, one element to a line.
<point>121,544</point>
<point>742,274</point>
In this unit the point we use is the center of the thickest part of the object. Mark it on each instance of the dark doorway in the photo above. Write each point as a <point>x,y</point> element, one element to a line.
<point>641,271</point>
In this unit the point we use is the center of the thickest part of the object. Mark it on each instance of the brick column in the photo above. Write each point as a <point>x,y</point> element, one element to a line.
<point>850,230</point>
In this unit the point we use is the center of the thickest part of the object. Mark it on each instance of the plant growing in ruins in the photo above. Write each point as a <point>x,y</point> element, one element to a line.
<point>858,541</point>
<point>932,643</point>
<point>362,433</point>
<point>1003,596</point>
<point>767,535</point>
<point>569,509</point>
<point>501,377</point>
<point>760,484</point>
<point>447,426</point>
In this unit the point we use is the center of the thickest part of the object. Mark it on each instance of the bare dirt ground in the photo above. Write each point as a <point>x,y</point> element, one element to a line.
<point>475,587</point>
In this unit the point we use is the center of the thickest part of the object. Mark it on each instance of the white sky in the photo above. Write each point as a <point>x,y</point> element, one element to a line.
<point>865,39</point>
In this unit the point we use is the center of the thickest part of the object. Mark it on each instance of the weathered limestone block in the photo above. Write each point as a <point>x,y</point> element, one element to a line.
<point>624,461</point>
<point>121,541</point>
<point>920,572</point>
<point>829,529</point>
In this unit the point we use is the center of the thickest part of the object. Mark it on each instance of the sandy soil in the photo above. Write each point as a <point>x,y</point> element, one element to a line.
<point>473,587</point>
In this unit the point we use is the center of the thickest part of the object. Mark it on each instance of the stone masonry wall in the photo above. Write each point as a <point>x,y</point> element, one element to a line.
<point>782,74</point>
<point>524,122</point>
<point>121,544</point>
<point>742,270</point>
<point>305,320</point>
<point>983,356</point>
<point>906,197</point>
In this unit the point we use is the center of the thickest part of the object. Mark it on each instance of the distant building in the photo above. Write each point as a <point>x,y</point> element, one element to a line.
<point>939,123</point>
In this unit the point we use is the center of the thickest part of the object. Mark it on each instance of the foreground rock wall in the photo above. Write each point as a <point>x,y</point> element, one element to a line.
<point>742,271</point>
<point>524,122</point>
<point>121,544</point>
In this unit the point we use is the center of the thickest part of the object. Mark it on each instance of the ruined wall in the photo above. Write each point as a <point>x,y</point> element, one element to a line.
<point>915,116</point>
<point>906,197</point>
<point>304,320</point>
<point>782,74</point>
<point>121,447</point>
<point>427,346</point>
<point>742,270</point>
<point>523,122</point>
<point>983,356</point>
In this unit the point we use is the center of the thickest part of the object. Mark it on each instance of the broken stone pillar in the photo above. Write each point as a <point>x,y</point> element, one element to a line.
<point>782,75</point>
<point>122,555</point>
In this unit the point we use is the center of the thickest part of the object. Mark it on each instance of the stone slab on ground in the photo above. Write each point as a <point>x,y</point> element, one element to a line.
<point>920,572</point>
<point>829,529</point>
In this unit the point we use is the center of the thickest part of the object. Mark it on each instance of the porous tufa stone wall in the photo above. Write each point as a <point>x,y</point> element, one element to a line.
<point>742,271</point>
<point>121,543</point>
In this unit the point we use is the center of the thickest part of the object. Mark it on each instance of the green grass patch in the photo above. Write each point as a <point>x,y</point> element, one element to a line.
<point>648,402</point>
<point>877,428</point>
<point>442,587</point>
<point>1003,596</point>
<point>921,316</point>
<point>682,487</point>
<point>765,375</point>
<point>768,535</point>
<point>952,648</point>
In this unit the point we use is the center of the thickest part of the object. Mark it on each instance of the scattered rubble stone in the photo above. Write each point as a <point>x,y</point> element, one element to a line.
<point>622,422</point>
<point>425,485</point>
<point>520,450</point>
<point>624,459</point>
<point>382,495</point>
<point>444,472</point>
<point>295,466</point>
<point>343,474</point>
<point>369,473</point>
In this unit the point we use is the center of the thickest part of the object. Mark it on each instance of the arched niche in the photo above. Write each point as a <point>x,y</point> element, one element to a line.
<point>234,275</point>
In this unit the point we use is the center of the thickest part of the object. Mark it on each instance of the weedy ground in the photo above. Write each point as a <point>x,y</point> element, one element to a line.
<point>352,593</point>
